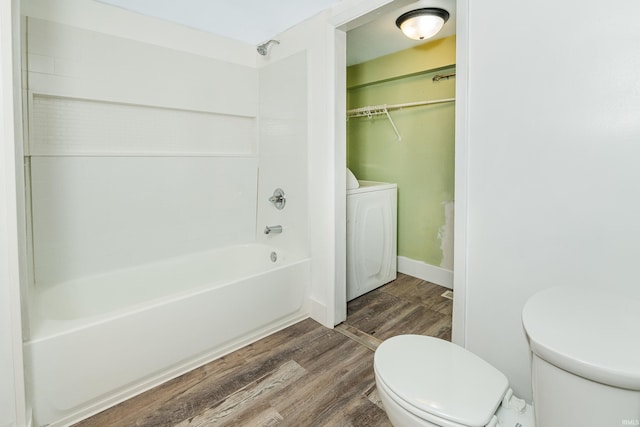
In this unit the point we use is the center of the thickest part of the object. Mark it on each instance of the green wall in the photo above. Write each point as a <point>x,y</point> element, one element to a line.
<point>422,163</point>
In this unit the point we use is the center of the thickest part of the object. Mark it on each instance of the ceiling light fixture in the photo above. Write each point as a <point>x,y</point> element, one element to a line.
<point>421,24</point>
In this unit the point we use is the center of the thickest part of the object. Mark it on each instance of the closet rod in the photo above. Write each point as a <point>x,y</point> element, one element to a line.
<point>439,77</point>
<point>382,109</point>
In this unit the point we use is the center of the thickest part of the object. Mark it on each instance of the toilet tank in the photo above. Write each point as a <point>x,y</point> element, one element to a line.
<point>585,346</point>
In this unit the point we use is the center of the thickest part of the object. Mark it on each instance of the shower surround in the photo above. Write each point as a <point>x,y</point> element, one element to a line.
<point>149,171</point>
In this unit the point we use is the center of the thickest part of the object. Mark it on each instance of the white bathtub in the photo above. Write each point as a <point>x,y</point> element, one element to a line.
<point>103,339</point>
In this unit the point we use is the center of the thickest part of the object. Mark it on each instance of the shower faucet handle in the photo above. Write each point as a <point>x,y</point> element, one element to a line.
<point>278,199</point>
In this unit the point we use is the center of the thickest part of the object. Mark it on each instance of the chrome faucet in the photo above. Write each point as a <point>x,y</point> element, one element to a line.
<point>273,229</point>
<point>278,199</point>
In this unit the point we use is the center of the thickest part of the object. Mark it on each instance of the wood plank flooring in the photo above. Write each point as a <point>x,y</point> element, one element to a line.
<point>304,375</point>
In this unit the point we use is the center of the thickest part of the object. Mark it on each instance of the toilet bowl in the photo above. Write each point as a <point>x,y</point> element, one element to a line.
<point>579,375</point>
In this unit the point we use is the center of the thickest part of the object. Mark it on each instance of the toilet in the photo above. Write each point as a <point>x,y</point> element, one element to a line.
<point>585,366</point>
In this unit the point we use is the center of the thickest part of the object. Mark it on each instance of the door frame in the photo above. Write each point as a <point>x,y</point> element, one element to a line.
<point>352,16</point>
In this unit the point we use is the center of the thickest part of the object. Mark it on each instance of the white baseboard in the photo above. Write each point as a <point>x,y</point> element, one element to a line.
<point>319,312</point>
<point>424,271</point>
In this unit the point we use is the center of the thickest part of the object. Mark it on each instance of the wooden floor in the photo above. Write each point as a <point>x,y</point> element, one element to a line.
<point>304,375</point>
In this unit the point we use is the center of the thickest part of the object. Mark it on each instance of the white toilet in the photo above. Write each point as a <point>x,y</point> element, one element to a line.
<point>585,370</point>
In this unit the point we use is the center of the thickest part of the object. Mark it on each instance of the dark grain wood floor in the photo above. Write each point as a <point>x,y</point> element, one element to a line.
<point>304,375</point>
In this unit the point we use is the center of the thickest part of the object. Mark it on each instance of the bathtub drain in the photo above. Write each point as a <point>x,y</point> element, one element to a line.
<point>274,257</point>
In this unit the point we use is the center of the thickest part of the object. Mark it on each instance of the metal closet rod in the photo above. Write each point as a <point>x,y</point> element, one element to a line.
<point>439,77</point>
<point>380,109</point>
<point>384,109</point>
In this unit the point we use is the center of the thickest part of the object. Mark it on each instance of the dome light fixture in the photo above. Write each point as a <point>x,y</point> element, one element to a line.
<point>421,24</point>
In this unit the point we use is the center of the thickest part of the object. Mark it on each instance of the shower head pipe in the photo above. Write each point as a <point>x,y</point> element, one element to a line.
<point>263,49</point>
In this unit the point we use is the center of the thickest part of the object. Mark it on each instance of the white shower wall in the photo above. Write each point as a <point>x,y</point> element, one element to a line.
<point>137,152</point>
<point>93,215</point>
<point>283,151</point>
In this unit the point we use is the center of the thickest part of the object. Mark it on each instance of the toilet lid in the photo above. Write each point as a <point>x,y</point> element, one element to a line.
<point>588,332</point>
<point>441,378</point>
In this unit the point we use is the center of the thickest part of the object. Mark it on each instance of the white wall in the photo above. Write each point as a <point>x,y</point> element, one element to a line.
<point>13,405</point>
<point>8,260</point>
<point>552,117</point>
<point>8,279</point>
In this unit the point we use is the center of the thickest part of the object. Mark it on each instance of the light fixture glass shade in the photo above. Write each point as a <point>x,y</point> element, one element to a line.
<point>421,24</point>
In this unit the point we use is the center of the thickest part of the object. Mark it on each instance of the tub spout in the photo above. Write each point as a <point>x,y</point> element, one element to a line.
<point>273,229</point>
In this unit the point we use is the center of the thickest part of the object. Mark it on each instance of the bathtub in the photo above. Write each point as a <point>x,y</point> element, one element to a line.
<point>100,340</point>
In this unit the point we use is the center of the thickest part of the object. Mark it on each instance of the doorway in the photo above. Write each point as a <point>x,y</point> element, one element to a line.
<point>371,161</point>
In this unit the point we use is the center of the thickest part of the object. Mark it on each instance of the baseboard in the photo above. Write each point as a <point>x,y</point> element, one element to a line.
<point>424,271</point>
<point>319,312</point>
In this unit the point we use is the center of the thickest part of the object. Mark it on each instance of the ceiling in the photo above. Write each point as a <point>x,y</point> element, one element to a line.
<point>249,21</point>
<point>256,21</point>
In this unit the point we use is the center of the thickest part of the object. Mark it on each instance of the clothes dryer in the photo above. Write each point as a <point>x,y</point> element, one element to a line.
<point>371,236</point>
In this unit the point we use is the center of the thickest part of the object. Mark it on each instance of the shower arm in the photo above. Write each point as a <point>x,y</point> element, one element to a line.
<point>263,49</point>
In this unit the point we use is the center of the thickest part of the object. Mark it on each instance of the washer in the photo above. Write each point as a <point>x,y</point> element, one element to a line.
<point>371,236</point>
